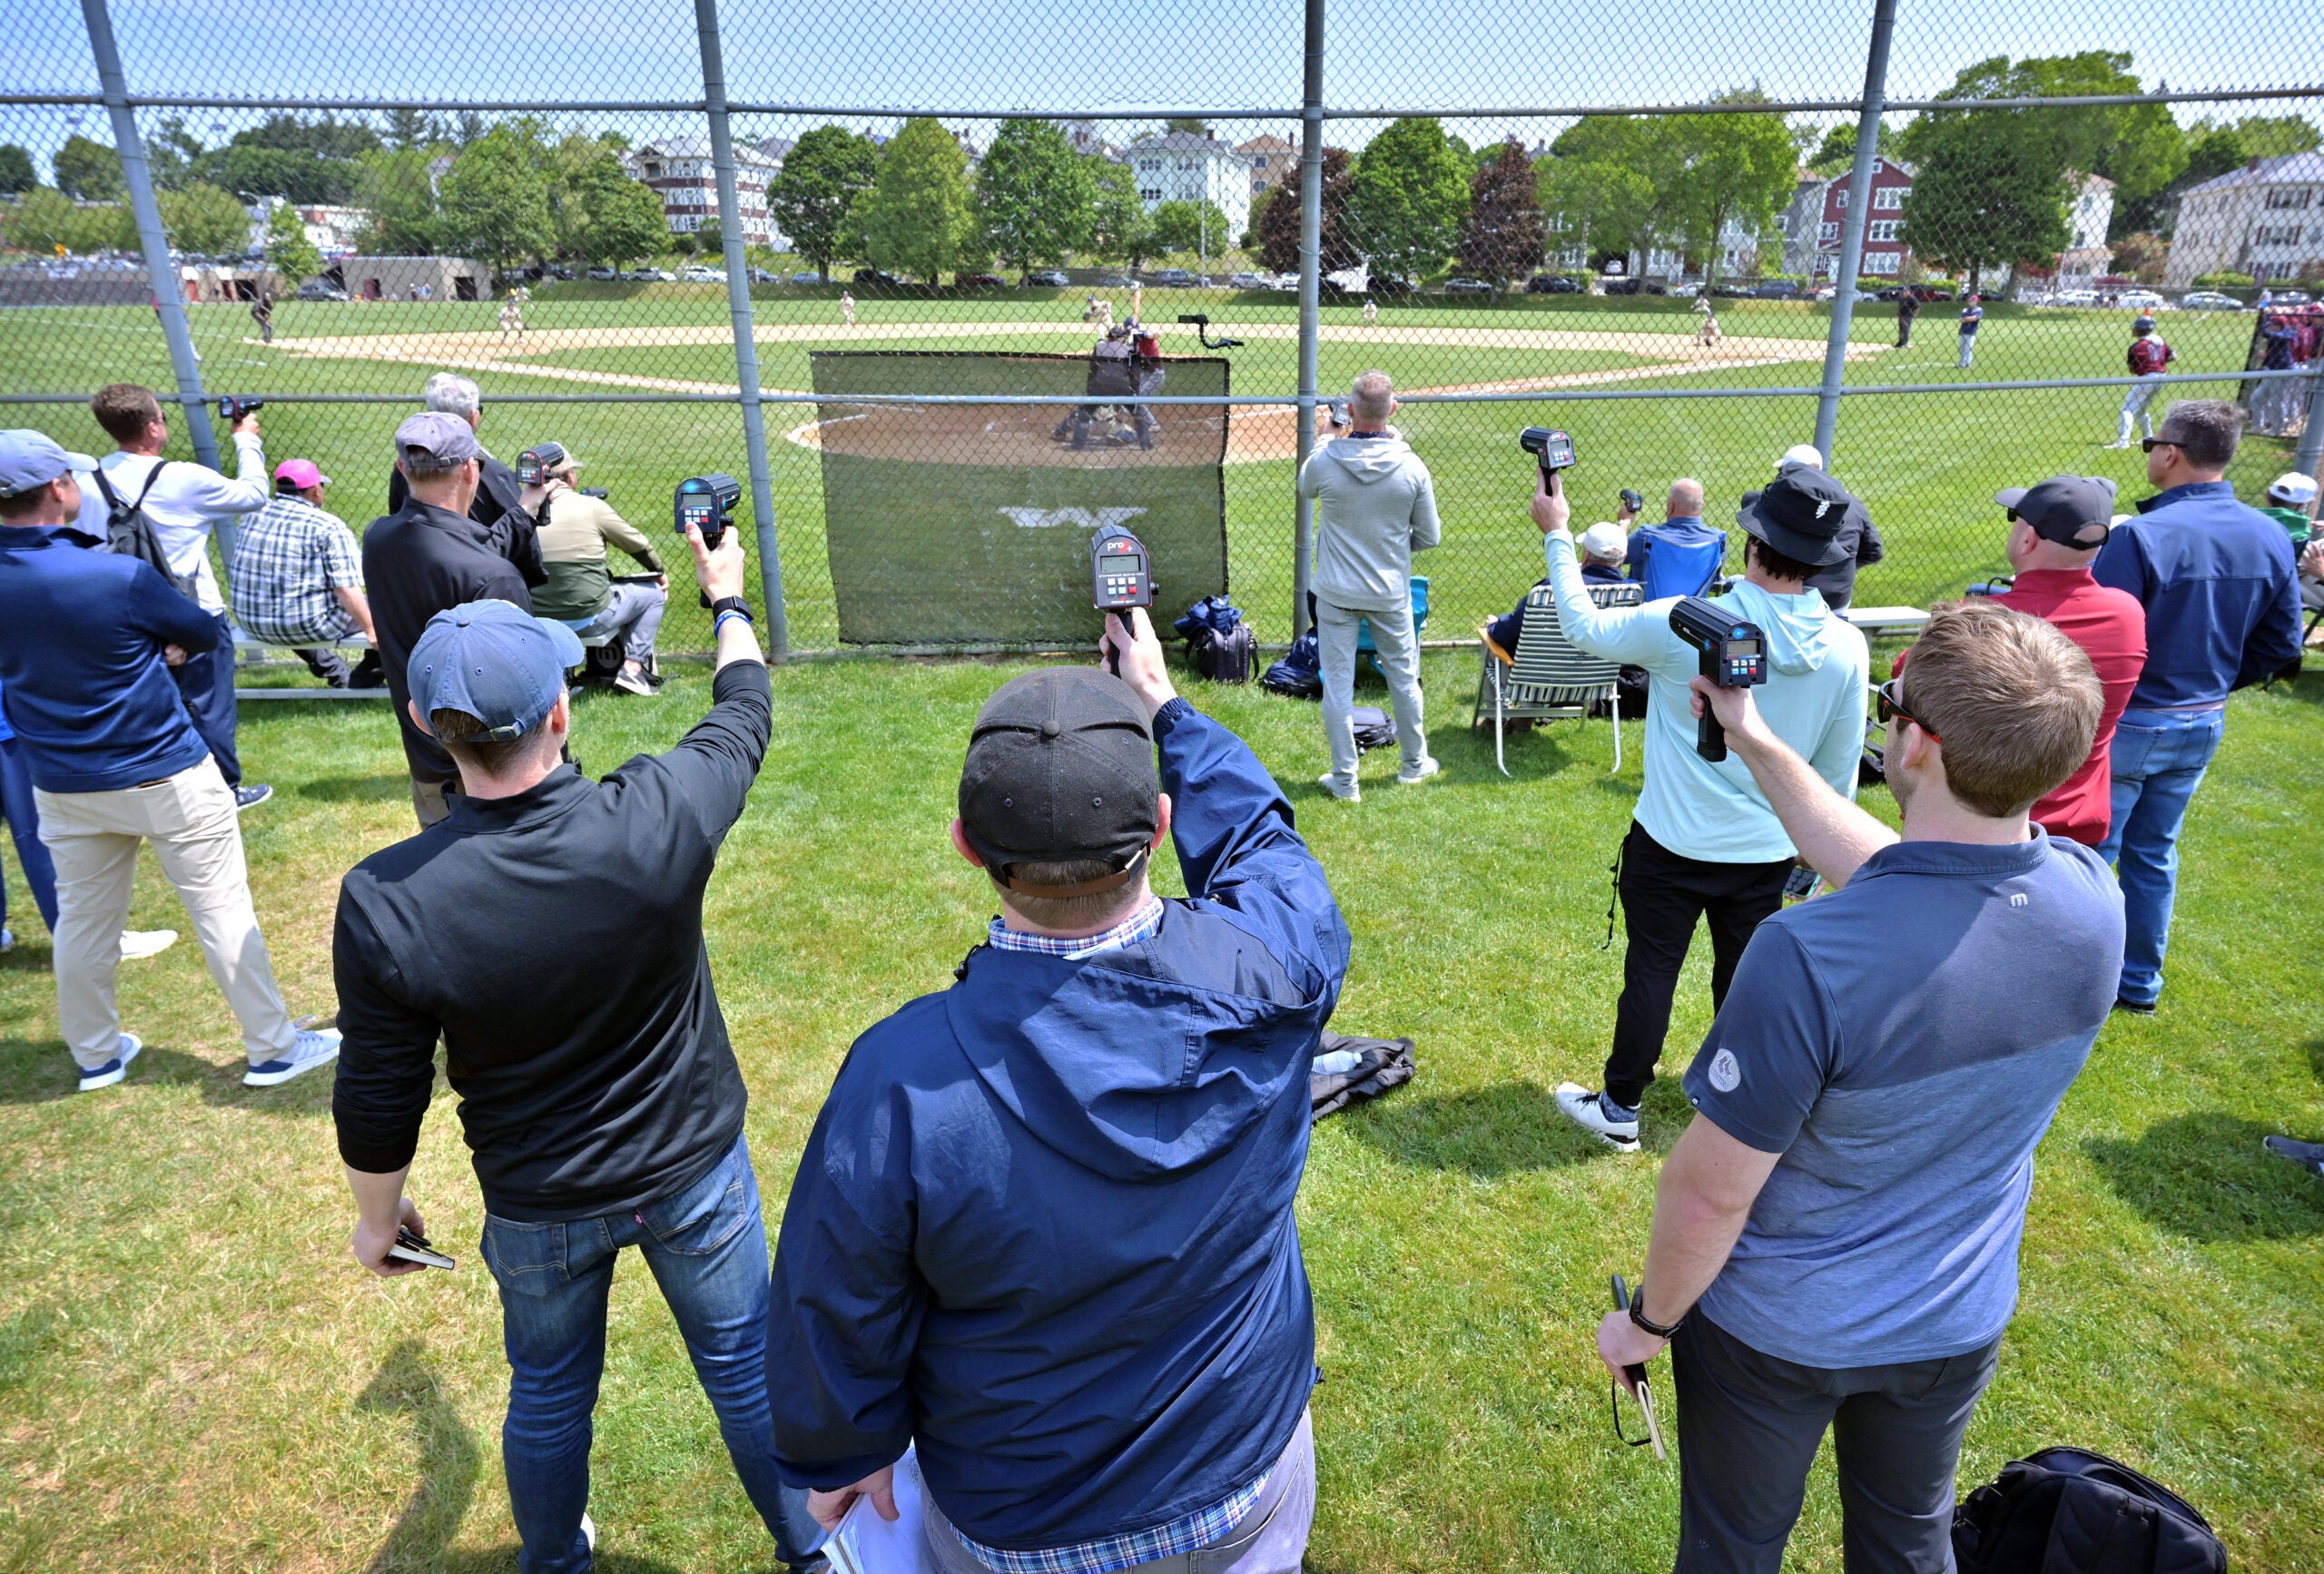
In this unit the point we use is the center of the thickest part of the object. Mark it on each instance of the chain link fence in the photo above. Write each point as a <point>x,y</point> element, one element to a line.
<point>1668,233</point>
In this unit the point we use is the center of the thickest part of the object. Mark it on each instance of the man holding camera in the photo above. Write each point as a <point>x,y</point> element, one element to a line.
<point>431,554</point>
<point>1704,843</point>
<point>183,501</point>
<point>549,933</point>
<point>1043,1230</point>
<point>1375,506</point>
<point>575,530</point>
<point>2222,610</point>
<point>1836,1234</point>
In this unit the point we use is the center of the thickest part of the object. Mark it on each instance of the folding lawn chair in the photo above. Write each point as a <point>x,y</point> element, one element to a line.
<point>1552,676</point>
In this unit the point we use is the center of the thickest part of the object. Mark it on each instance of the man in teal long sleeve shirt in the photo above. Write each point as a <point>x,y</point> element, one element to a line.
<point>1703,841</point>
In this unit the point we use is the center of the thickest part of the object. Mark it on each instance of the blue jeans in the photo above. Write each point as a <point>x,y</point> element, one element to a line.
<point>2158,760</point>
<point>23,815</point>
<point>707,1248</point>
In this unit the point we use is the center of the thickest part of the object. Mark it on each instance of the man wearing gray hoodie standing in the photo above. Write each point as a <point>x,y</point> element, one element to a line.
<point>1377,507</point>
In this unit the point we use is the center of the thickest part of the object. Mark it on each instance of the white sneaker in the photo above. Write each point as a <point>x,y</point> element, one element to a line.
<point>1345,791</point>
<point>1410,774</point>
<point>139,944</point>
<point>588,1530</point>
<point>315,1047</point>
<point>126,1049</point>
<point>7,940</point>
<point>1586,1110</point>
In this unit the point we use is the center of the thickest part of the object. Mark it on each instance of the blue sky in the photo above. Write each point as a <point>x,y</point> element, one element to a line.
<point>1062,54</point>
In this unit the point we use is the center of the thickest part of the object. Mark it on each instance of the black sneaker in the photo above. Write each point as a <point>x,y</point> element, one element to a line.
<point>250,794</point>
<point>2133,1007</point>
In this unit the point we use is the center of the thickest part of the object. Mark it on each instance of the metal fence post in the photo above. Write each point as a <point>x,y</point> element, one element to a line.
<point>168,298</point>
<point>1311,282</point>
<point>746,348</point>
<point>2310,458</point>
<point>1867,145</point>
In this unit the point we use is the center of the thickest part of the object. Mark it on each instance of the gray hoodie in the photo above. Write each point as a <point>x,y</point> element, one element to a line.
<point>1376,508</point>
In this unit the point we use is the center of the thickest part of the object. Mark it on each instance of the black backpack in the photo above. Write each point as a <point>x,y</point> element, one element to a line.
<point>1218,642</point>
<point>129,531</point>
<point>2067,1511</point>
<point>1299,673</point>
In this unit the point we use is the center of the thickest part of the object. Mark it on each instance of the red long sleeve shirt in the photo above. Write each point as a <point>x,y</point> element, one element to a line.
<point>2110,625</point>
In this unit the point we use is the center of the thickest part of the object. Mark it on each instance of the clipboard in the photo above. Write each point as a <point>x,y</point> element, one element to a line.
<point>1641,1388</point>
<point>864,1543</point>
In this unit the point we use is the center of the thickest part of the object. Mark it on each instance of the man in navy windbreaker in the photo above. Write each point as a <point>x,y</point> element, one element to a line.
<point>1043,1228</point>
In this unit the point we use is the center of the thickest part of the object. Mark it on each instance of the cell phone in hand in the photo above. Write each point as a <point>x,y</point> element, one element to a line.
<point>1801,883</point>
<point>412,1248</point>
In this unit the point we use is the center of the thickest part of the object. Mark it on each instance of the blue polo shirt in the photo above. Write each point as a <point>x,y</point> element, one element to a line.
<point>1903,1043</point>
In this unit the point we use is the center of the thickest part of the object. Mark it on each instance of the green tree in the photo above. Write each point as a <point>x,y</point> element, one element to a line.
<point>1835,154</point>
<point>1408,197</point>
<point>88,170</point>
<point>1188,124</point>
<point>1198,227</point>
<point>601,215</point>
<point>412,128</point>
<point>175,157</point>
<point>495,198</point>
<point>205,220</point>
<point>1727,170</point>
<point>288,250</point>
<point>817,187</point>
<point>710,239</point>
<point>1278,221</point>
<point>1985,191</point>
<point>1035,195</point>
<point>1119,225</point>
<point>15,170</point>
<point>41,219</point>
<point>918,217</point>
<point>1598,190</point>
<point>1503,237</point>
<point>397,189</point>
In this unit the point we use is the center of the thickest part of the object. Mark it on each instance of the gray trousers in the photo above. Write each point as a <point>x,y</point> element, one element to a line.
<point>634,614</point>
<point>1749,1427</point>
<point>1271,1539</point>
<point>1392,635</point>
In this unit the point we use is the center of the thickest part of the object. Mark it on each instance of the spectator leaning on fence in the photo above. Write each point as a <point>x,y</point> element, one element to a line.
<point>430,554</point>
<point>494,505</point>
<point>2222,610</point>
<point>575,531</point>
<point>1703,843</point>
<point>298,579</point>
<point>182,500</point>
<point>1044,1229</point>
<point>1375,506</point>
<point>1836,1234</point>
<point>117,763</point>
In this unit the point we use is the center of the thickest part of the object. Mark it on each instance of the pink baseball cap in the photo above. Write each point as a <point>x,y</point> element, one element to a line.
<point>300,473</point>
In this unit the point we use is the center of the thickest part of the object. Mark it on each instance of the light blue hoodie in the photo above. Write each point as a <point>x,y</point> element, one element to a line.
<point>1813,699</point>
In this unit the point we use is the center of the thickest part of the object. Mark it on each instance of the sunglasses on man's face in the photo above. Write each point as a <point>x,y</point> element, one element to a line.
<point>1892,706</point>
<point>2149,444</point>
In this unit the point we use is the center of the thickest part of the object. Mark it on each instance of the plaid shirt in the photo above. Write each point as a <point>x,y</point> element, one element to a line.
<point>287,558</point>
<point>1189,1533</point>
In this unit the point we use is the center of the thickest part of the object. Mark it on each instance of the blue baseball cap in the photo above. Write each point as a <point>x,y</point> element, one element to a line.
<point>29,459</point>
<point>494,661</point>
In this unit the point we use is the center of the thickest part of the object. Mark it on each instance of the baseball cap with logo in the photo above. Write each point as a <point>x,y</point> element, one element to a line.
<point>494,661</point>
<point>444,439</point>
<point>29,460</point>
<point>1800,513</point>
<point>301,474</point>
<point>2292,490</point>
<point>1061,769</point>
<point>2064,509</point>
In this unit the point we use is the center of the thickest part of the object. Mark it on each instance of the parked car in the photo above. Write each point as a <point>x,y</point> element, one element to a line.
<point>604,275</point>
<point>872,278</point>
<point>978,282</point>
<point>1832,292</point>
<point>1049,278</point>
<point>559,270</point>
<point>2073,297</point>
<point>2292,298</point>
<point>1112,281</point>
<point>1249,281</point>
<point>316,290</point>
<point>760,276</point>
<point>2209,300</point>
<point>1777,289</point>
<point>1687,291</point>
<point>1463,286</point>
<point>2142,301</point>
<point>1387,285</point>
<point>1171,279</point>
<point>652,275</point>
<point>1724,291</point>
<point>1552,284</point>
<point>697,274</point>
<point>809,278</point>
<point>1617,285</point>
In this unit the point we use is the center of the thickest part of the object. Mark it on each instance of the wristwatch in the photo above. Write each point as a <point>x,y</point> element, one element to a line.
<point>730,603</point>
<point>1660,1329</point>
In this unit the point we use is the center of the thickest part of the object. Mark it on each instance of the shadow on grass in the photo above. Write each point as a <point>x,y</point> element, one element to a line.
<point>2316,1057</point>
<point>41,1071</point>
<point>1487,1131</point>
<point>2205,1177</point>
<point>357,789</point>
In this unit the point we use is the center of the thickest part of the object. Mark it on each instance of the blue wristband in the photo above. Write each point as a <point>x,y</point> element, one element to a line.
<point>719,622</point>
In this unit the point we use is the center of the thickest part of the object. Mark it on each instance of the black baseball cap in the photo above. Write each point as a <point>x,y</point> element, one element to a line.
<point>1800,514</point>
<point>1060,768</point>
<point>2064,509</point>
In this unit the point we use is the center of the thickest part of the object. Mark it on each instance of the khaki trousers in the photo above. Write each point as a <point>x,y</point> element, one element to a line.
<point>427,801</point>
<point>190,819</point>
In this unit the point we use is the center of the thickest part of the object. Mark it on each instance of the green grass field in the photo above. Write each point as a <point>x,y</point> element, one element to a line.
<point>1927,464</point>
<point>193,1375</point>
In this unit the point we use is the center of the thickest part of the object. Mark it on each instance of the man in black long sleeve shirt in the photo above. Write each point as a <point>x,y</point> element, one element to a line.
<point>550,931</point>
<point>431,554</point>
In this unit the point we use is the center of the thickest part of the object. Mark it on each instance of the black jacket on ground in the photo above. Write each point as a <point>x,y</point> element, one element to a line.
<point>416,562</point>
<point>554,941</point>
<point>498,508</point>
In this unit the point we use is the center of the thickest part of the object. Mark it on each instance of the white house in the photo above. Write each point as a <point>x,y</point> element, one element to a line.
<point>2266,219</point>
<point>1181,167</point>
<point>680,171</point>
<point>2087,257</point>
<point>333,232</point>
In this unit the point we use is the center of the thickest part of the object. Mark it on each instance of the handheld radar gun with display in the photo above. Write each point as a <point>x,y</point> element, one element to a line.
<point>232,408</point>
<point>707,503</point>
<point>537,463</point>
<point>1120,576</point>
<point>1554,450</point>
<point>1730,652</point>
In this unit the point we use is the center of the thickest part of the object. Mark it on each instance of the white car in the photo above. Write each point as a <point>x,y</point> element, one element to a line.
<point>2073,297</point>
<point>2209,300</point>
<point>1684,292</point>
<point>2142,301</point>
<point>701,275</point>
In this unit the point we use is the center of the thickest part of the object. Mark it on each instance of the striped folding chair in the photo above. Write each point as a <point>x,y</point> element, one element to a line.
<point>1552,675</point>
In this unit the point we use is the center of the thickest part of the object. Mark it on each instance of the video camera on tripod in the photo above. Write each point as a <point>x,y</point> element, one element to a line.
<point>1731,651</point>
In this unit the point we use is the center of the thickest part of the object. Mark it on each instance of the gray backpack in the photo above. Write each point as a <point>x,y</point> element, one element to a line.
<point>129,530</point>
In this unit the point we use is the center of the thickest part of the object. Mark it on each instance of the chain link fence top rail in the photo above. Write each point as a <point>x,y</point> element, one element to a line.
<point>1631,230</point>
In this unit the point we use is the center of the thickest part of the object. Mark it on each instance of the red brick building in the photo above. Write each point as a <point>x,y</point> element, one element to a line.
<point>1884,251</point>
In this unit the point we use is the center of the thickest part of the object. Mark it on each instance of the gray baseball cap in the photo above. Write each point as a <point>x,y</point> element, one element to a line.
<point>29,459</point>
<point>446,439</point>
